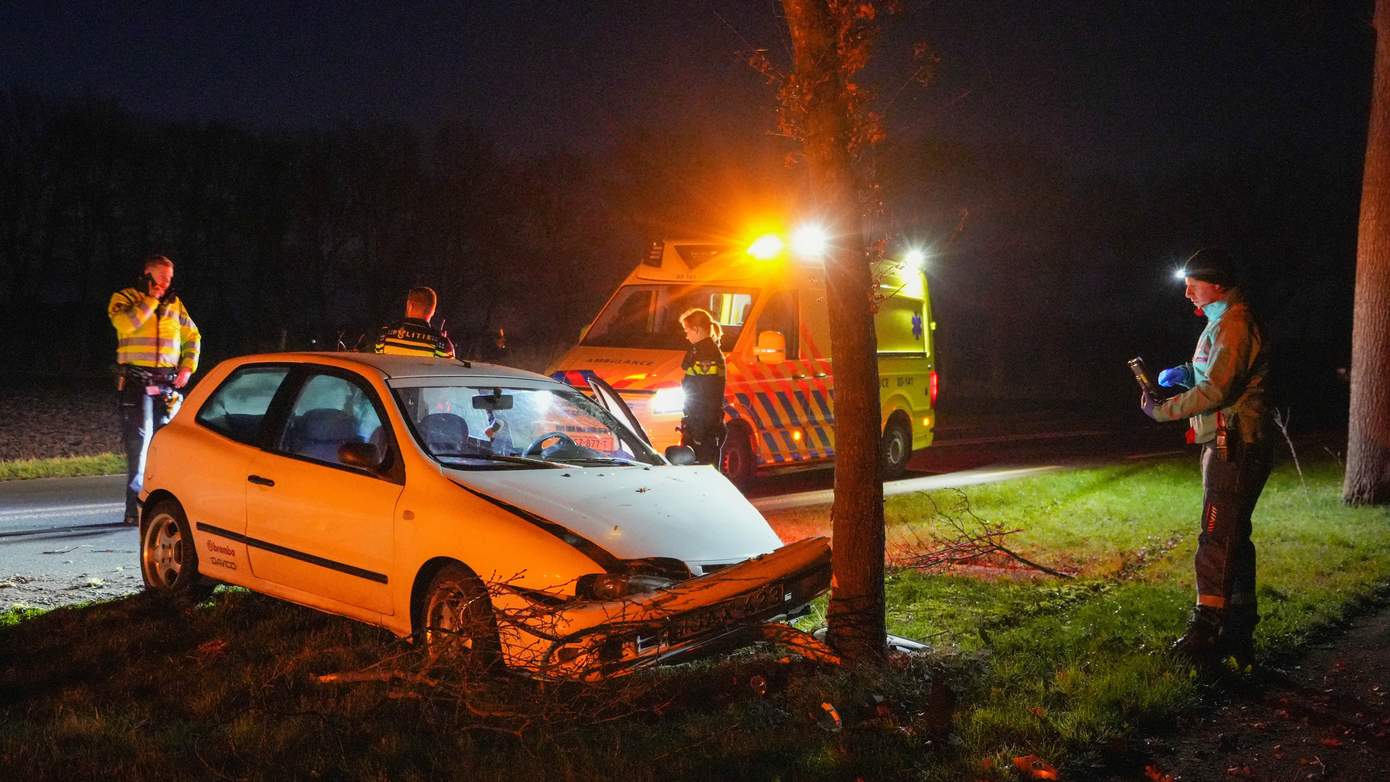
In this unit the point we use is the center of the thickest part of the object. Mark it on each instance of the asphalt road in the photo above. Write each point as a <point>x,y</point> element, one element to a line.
<point>61,540</point>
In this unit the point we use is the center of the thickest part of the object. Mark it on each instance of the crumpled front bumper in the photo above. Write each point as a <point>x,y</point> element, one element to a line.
<point>590,640</point>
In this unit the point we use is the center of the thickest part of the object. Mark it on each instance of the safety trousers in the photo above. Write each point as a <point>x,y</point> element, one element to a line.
<point>141,416</point>
<point>1225,560</point>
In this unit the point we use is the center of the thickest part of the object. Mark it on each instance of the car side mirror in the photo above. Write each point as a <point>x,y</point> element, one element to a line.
<point>680,455</point>
<point>771,347</point>
<point>364,455</point>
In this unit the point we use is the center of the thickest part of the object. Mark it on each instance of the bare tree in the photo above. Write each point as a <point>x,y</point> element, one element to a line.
<point>1368,438</point>
<point>821,90</point>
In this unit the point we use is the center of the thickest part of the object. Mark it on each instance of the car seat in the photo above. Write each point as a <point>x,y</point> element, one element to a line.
<point>318,434</point>
<point>443,432</point>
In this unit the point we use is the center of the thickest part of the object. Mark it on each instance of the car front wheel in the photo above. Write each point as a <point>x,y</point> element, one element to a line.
<point>168,557</point>
<point>456,621</point>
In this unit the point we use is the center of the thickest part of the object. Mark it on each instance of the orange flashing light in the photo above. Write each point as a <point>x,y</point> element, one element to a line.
<point>766,247</point>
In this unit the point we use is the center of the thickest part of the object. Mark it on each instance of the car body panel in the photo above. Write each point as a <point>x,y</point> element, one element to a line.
<point>628,510</point>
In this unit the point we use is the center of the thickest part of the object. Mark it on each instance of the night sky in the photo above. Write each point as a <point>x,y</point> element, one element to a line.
<point>1093,143</point>
<point>1101,83</point>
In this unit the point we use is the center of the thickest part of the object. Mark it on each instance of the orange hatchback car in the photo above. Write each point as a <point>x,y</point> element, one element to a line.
<point>495,514</point>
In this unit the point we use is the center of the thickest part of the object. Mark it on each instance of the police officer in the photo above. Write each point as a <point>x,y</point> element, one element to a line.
<point>702,427</point>
<point>413,335</point>
<point>1224,395</point>
<point>157,347</point>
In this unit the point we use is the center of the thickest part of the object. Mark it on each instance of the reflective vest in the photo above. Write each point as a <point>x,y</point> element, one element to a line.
<point>703,385</point>
<point>150,334</point>
<point>413,337</point>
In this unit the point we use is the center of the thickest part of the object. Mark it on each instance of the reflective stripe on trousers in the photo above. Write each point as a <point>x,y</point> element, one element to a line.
<point>1225,559</point>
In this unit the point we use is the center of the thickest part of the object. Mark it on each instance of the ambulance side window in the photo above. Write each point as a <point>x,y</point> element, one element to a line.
<point>780,315</point>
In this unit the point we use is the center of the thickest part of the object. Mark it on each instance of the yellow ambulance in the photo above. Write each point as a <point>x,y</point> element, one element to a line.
<point>780,394</point>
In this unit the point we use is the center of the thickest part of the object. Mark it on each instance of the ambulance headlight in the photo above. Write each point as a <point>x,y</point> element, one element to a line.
<point>915,258</point>
<point>668,400</point>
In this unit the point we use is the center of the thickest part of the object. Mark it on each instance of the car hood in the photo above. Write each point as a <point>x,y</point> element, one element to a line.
<point>691,513</point>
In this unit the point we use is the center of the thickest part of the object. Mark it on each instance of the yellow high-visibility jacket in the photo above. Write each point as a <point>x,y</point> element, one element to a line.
<point>149,334</point>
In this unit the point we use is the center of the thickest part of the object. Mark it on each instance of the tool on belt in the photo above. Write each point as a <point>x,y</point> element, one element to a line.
<point>157,381</point>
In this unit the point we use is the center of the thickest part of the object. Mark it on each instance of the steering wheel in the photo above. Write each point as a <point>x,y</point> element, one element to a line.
<point>534,449</point>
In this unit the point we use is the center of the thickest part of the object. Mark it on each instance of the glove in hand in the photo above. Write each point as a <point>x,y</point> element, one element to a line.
<point>1175,376</point>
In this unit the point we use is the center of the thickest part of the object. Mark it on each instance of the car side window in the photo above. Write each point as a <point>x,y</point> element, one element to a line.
<point>329,413</point>
<point>238,406</point>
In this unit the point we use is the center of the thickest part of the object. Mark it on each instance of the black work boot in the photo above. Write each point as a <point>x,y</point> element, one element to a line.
<point>1238,636</point>
<point>1202,641</point>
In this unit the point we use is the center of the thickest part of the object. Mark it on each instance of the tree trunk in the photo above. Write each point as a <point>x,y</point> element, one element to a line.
<point>1368,436</point>
<point>856,614</point>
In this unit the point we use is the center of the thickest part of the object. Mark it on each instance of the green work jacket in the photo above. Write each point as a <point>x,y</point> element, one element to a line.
<point>1229,367</point>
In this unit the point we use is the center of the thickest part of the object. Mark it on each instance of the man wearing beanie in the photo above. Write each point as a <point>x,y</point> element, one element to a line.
<point>1225,399</point>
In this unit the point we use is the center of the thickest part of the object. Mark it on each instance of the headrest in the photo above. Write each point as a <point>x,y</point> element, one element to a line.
<point>327,424</point>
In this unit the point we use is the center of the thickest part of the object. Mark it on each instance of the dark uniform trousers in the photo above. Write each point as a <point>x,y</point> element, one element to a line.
<point>706,439</point>
<point>141,416</point>
<point>1225,560</point>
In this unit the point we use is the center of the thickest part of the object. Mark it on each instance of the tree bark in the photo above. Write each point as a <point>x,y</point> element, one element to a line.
<point>1367,480</point>
<point>856,612</point>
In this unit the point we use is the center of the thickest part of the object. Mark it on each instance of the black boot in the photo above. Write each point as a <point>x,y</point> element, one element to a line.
<point>1238,636</point>
<point>1202,641</point>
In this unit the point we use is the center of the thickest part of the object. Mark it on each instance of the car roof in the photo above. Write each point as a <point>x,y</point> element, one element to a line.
<point>394,367</point>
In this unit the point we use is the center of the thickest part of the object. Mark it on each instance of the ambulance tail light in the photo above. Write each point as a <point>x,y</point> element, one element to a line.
<point>934,386</point>
<point>668,401</point>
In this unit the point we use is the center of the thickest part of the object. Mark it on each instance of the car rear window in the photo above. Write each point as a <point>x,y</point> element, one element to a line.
<point>238,406</point>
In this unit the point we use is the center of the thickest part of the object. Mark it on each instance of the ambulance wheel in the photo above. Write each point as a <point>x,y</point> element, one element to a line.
<point>897,446</point>
<point>736,460</point>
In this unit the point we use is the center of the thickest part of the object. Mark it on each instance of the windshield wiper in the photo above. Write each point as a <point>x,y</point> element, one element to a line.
<point>497,457</point>
<point>607,460</point>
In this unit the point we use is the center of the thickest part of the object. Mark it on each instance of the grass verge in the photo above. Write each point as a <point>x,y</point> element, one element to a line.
<point>1062,669</point>
<point>62,466</point>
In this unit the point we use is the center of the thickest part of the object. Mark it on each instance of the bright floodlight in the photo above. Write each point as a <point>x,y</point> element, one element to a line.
<point>766,247</point>
<point>810,241</point>
<point>915,258</point>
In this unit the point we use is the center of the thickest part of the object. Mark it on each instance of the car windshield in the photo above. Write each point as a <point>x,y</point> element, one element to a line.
<point>648,316</point>
<point>485,426</point>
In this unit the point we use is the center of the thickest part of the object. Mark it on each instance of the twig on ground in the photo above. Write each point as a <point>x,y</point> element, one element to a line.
<point>800,643</point>
<point>973,540</point>
<point>1281,420</point>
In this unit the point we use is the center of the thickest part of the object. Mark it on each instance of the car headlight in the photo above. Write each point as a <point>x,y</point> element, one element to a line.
<point>668,400</point>
<point>611,586</point>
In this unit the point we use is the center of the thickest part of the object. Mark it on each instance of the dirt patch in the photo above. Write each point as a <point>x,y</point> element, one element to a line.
<point>58,416</point>
<point>1326,716</point>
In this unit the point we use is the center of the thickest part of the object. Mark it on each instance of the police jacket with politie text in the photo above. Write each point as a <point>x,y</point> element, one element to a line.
<point>1227,375</point>
<point>152,333</point>
<point>703,385</point>
<point>413,337</point>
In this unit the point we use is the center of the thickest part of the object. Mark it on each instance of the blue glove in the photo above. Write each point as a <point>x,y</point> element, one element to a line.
<point>1176,376</point>
<point>1147,404</point>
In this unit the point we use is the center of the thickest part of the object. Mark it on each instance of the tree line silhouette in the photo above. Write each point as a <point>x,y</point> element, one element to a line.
<point>1046,272</point>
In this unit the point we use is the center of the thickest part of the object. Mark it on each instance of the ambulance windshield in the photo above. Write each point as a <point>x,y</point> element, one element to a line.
<point>648,316</point>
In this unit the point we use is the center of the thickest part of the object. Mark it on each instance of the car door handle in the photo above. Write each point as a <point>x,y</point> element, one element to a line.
<point>800,376</point>
<point>260,481</point>
<point>821,374</point>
